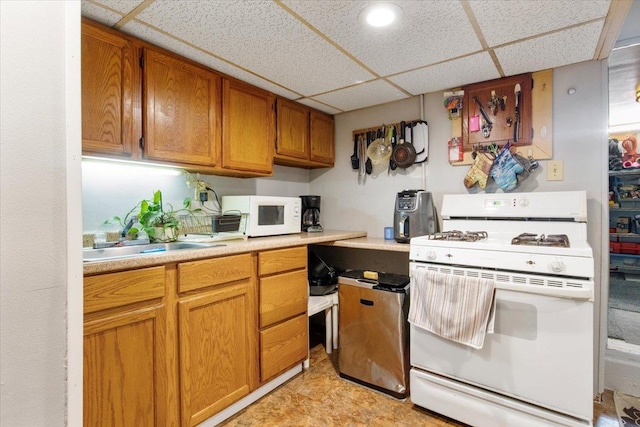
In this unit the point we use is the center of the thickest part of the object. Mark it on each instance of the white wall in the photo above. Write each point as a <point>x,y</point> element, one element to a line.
<point>113,189</point>
<point>39,153</point>
<point>579,139</point>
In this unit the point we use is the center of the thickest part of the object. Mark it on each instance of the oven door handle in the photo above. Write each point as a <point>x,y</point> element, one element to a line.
<point>574,293</point>
<point>577,293</point>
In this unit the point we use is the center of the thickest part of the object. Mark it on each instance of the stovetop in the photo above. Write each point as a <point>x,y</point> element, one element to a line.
<point>532,239</point>
<point>550,247</point>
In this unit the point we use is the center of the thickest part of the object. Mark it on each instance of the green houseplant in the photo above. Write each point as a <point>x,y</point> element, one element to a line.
<point>158,220</point>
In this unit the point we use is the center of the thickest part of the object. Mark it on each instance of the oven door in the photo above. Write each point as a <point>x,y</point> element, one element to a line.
<point>541,351</point>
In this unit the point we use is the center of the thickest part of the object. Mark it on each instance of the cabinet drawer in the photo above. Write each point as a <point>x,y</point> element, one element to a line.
<point>283,345</point>
<point>126,287</point>
<point>280,260</point>
<point>283,296</point>
<point>200,274</point>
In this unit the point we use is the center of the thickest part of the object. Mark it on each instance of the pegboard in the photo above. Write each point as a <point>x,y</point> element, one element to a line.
<point>503,117</point>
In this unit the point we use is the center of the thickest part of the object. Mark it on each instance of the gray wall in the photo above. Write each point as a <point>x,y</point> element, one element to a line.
<point>579,139</point>
<point>579,135</point>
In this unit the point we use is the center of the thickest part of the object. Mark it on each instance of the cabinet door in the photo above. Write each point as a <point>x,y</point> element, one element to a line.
<point>216,350</point>
<point>281,260</point>
<point>125,372</point>
<point>248,128</point>
<point>292,130</point>
<point>110,82</point>
<point>322,149</point>
<point>283,345</point>
<point>182,111</point>
<point>282,296</point>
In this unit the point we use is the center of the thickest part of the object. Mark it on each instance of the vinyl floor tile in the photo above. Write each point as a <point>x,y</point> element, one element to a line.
<point>318,397</point>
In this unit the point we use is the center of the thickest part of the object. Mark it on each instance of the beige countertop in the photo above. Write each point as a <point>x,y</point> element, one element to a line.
<point>238,246</point>
<point>375,243</point>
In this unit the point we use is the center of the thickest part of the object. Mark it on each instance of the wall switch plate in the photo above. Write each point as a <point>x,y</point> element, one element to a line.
<point>555,170</point>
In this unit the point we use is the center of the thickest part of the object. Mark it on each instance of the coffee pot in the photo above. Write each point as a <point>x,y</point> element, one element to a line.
<point>311,214</point>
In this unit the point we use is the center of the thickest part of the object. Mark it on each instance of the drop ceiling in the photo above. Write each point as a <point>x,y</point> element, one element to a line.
<point>318,53</point>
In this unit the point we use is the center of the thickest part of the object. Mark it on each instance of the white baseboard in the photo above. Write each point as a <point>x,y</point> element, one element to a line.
<point>252,397</point>
<point>622,371</point>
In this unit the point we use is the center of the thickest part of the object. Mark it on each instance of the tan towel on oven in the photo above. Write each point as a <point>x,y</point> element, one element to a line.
<point>457,308</point>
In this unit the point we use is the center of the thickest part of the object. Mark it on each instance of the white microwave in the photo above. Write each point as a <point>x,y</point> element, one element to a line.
<point>266,215</point>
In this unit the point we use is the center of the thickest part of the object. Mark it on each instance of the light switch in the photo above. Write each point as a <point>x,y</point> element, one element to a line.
<point>555,170</point>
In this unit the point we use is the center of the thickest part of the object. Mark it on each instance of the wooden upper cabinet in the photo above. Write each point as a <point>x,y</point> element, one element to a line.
<point>110,91</point>
<point>322,143</point>
<point>182,110</point>
<point>292,130</point>
<point>304,136</point>
<point>248,124</point>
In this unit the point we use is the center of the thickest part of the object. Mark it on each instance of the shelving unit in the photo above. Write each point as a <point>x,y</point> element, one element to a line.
<point>624,246</point>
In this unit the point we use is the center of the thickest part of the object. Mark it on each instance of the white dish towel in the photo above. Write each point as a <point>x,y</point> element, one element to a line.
<point>458,308</point>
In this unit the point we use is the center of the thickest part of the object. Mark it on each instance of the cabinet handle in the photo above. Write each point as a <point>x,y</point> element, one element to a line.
<point>366,302</point>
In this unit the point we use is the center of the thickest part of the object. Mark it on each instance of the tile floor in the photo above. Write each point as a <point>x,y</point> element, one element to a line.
<point>319,397</point>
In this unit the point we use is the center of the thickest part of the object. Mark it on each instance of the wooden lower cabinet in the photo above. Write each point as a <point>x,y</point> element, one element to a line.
<point>125,368</point>
<point>177,344</point>
<point>124,372</point>
<point>283,296</point>
<point>217,335</point>
<point>283,345</point>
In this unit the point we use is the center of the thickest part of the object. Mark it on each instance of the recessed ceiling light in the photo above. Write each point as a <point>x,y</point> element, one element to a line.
<point>381,14</point>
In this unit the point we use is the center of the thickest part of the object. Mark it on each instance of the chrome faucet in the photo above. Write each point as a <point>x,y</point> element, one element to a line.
<point>125,230</point>
<point>122,241</point>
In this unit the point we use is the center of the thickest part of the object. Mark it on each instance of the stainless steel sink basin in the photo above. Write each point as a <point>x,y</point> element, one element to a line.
<point>116,252</point>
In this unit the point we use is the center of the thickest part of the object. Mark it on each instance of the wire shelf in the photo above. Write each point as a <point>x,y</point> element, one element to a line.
<point>210,224</point>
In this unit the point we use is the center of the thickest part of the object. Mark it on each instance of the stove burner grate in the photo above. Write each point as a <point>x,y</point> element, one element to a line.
<point>559,240</point>
<point>467,236</point>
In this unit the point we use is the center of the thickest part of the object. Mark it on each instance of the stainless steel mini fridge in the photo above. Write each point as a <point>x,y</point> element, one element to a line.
<point>374,332</point>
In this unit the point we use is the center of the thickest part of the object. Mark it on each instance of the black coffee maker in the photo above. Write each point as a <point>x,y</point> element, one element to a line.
<point>311,214</point>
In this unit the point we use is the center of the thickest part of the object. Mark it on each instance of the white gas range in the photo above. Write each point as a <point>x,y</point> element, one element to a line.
<point>537,368</point>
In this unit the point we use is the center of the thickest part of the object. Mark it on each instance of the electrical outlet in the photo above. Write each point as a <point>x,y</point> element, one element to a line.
<point>555,170</point>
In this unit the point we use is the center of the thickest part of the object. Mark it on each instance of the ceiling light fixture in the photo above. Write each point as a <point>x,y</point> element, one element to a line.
<point>381,14</point>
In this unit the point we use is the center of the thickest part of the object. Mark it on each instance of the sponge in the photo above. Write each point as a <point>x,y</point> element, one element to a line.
<point>373,275</point>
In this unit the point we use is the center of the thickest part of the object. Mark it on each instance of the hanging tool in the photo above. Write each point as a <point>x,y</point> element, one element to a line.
<point>368,164</point>
<point>355,163</point>
<point>362,155</point>
<point>392,164</point>
<point>516,126</point>
<point>488,124</point>
<point>494,102</point>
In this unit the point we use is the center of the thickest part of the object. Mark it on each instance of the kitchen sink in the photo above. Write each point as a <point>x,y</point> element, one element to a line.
<point>117,252</point>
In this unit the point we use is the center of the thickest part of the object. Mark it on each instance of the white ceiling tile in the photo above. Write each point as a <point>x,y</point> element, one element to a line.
<point>554,50</point>
<point>124,6</point>
<point>318,105</point>
<point>505,21</point>
<point>363,95</point>
<point>317,51</point>
<point>152,36</point>
<point>100,14</point>
<point>429,32</point>
<point>263,38</point>
<point>451,74</point>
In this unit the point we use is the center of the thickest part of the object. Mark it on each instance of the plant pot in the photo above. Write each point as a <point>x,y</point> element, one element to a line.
<point>164,234</point>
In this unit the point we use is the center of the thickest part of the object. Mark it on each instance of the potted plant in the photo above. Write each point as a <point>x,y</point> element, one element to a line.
<point>158,220</point>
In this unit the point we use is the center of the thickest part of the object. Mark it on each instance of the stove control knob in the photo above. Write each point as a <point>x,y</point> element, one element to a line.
<point>557,266</point>
<point>431,255</point>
